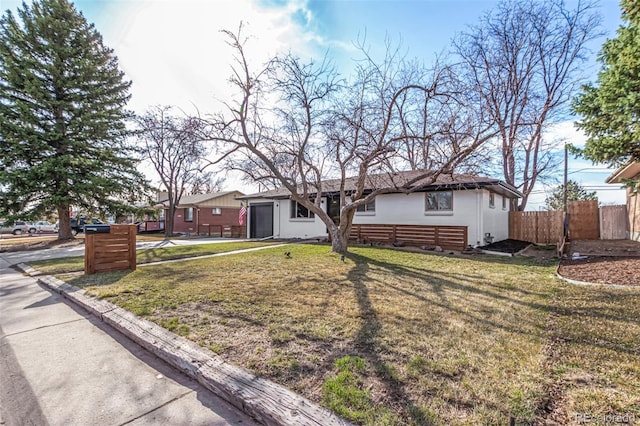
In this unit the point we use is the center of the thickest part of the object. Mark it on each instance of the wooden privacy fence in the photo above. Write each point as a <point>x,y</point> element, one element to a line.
<point>447,237</point>
<point>113,251</point>
<point>585,222</point>
<point>536,227</point>
<point>614,223</point>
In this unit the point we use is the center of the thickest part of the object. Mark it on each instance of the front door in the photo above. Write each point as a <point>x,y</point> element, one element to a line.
<point>261,220</point>
<point>333,209</point>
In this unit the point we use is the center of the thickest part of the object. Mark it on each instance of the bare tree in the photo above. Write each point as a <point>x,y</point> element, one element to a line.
<point>175,148</point>
<point>205,182</point>
<point>297,124</point>
<point>524,59</point>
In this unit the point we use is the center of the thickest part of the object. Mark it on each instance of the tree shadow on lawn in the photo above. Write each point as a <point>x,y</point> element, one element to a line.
<point>368,341</point>
<point>621,297</point>
<point>443,280</point>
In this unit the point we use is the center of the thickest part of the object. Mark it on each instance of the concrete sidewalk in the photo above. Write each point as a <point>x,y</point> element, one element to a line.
<point>62,366</point>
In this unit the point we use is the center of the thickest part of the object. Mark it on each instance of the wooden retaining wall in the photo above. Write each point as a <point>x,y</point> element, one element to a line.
<point>114,251</point>
<point>447,237</point>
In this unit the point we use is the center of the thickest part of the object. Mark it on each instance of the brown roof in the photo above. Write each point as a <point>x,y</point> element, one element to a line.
<point>404,180</point>
<point>629,171</point>
<point>198,198</point>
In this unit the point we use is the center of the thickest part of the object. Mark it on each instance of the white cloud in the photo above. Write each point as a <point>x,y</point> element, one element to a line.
<point>175,53</point>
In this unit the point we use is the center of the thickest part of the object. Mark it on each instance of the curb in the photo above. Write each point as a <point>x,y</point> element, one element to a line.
<point>267,402</point>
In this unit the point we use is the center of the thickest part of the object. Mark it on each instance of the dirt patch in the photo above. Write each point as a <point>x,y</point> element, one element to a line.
<point>507,246</point>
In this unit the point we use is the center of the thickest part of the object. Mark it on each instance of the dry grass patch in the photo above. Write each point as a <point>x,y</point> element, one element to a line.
<point>595,338</point>
<point>386,337</point>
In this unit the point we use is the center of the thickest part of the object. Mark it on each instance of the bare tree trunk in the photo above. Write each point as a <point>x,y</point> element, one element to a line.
<point>171,214</point>
<point>64,223</point>
<point>339,240</point>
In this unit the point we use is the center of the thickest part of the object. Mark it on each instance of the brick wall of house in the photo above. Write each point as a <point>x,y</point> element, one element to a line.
<point>228,217</point>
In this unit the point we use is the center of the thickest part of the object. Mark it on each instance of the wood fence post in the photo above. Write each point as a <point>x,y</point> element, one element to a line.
<point>132,247</point>
<point>89,254</point>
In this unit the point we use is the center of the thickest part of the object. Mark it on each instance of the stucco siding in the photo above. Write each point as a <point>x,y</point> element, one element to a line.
<point>470,209</point>
<point>409,209</point>
<point>296,228</point>
<point>495,220</point>
<point>286,227</point>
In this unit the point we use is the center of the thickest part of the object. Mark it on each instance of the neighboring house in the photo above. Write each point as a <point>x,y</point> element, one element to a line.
<point>630,171</point>
<point>478,205</point>
<point>203,213</point>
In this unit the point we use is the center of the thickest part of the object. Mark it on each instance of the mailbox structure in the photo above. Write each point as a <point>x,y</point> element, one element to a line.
<point>109,248</point>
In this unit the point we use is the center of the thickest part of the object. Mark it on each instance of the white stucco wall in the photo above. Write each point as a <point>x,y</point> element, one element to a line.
<point>495,220</point>
<point>470,209</point>
<point>286,227</point>
<point>410,209</point>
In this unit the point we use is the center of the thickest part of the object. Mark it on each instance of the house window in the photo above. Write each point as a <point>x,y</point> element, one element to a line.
<point>216,210</point>
<point>188,214</point>
<point>370,207</point>
<point>439,201</point>
<point>298,211</point>
<point>504,202</point>
<point>492,200</point>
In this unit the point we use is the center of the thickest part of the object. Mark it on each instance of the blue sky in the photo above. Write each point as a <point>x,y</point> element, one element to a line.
<point>174,53</point>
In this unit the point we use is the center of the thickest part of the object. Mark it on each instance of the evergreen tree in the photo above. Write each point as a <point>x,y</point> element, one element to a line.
<point>610,108</point>
<point>575,192</point>
<point>62,117</point>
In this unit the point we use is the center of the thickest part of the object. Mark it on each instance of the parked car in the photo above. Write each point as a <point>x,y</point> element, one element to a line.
<point>78,225</point>
<point>42,226</point>
<point>16,228</point>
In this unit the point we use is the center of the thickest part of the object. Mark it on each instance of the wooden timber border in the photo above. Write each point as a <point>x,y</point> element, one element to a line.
<point>447,237</point>
<point>113,251</point>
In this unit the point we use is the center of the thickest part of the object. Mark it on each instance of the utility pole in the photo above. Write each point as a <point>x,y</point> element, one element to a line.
<point>564,191</point>
<point>565,222</point>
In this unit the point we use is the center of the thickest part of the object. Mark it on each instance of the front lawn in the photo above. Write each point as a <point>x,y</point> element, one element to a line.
<point>394,337</point>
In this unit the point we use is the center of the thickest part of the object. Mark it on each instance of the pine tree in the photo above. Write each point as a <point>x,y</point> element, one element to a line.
<point>610,107</point>
<point>575,192</point>
<point>62,117</point>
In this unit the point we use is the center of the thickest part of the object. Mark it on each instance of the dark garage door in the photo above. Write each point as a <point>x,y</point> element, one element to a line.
<point>261,218</point>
